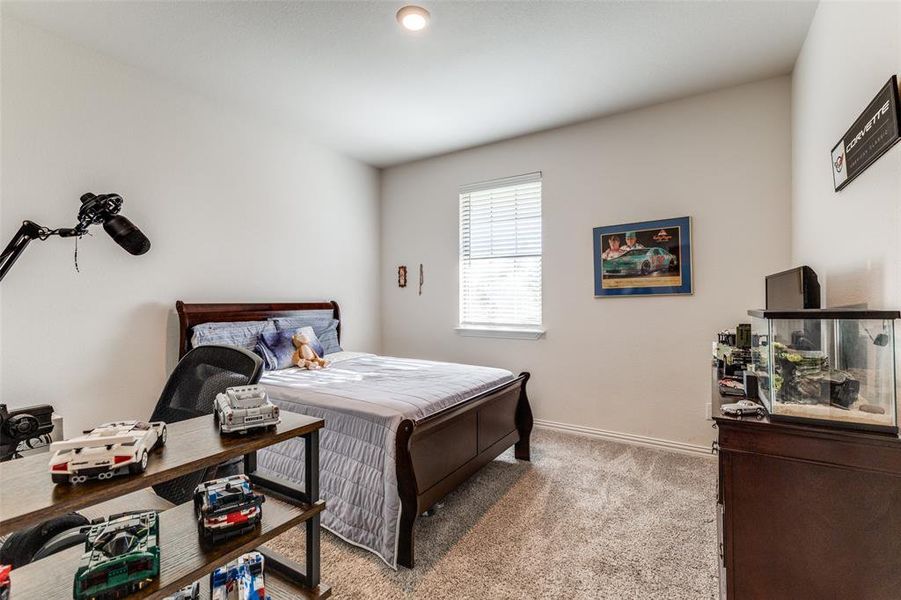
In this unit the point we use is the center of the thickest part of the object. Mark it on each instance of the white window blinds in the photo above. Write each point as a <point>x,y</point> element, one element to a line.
<point>500,253</point>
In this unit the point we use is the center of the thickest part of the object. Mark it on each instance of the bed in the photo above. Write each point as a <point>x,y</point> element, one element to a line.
<point>400,433</point>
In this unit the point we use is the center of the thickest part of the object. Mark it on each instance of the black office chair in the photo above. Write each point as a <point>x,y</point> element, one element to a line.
<point>191,392</point>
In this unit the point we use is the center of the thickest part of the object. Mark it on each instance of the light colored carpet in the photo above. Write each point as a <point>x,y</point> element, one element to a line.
<point>585,519</point>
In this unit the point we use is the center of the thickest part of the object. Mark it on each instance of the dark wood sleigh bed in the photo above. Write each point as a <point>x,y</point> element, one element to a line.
<point>433,455</point>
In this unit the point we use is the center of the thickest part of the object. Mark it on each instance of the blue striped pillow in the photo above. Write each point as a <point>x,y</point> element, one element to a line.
<point>244,334</point>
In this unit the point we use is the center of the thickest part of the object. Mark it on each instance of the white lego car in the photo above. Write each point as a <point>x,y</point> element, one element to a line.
<point>111,449</point>
<point>243,408</point>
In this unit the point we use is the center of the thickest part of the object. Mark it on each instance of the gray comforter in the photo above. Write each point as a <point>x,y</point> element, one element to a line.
<point>363,398</point>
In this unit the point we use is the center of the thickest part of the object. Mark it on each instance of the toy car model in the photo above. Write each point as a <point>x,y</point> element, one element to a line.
<point>251,585</point>
<point>241,579</point>
<point>224,582</point>
<point>226,507</point>
<point>121,556</point>
<point>731,386</point>
<point>640,261</point>
<point>4,581</point>
<point>189,592</point>
<point>743,407</point>
<point>109,450</point>
<point>243,408</point>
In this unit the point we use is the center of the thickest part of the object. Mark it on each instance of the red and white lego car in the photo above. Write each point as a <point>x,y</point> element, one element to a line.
<point>226,507</point>
<point>109,450</point>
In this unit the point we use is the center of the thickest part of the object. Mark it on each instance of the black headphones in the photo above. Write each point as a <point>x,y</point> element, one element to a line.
<point>23,425</point>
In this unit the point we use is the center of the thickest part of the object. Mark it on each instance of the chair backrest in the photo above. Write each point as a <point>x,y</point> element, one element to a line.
<point>191,392</point>
<point>200,375</point>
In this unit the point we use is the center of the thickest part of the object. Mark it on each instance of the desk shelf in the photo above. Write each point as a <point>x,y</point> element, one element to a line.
<point>27,496</point>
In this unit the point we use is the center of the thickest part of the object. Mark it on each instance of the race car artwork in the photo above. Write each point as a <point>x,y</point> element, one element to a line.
<point>640,261</point>
<point>121,556</point>
<point>111,449</point>
<point>226,507</point>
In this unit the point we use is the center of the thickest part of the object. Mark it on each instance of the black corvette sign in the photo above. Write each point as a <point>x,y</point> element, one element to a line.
<point>876,130</point>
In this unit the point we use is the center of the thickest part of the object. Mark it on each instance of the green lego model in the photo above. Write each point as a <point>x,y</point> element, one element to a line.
<point>121,555</point>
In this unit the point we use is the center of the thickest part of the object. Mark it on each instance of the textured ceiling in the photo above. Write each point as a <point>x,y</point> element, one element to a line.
<point>346,75</point>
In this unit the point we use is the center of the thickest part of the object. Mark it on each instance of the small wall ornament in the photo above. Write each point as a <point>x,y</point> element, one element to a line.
<point>402,276</point>
<point>421,278</point>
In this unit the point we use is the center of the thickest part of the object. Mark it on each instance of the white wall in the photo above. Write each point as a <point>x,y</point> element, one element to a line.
<point>850,238</point>
<point>237,210</point>
<point>2,229</point>
<point>630,365</point>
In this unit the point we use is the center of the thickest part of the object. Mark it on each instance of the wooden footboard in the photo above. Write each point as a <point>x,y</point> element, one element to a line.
<point>438,453</point>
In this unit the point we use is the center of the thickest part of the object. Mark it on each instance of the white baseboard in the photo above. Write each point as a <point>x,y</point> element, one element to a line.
<point>629,438</point>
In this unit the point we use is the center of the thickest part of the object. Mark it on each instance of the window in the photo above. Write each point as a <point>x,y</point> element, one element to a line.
<point>500,256</point>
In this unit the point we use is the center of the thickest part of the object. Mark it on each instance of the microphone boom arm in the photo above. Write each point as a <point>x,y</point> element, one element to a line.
<point>27,232</point>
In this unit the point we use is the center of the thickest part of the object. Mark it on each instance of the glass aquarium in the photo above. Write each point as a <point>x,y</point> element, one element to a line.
<point>827,366</point>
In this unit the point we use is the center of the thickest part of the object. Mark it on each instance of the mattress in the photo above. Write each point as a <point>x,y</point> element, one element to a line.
<point>363,398</point>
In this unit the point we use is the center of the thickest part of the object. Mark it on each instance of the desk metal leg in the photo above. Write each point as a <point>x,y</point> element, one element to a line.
<point>308,574</point>
<point>250,463</point>
<point>311,482</point>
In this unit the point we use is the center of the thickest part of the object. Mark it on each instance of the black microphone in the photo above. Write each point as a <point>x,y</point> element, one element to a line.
<point>126,234</point>
<point>105,209</point>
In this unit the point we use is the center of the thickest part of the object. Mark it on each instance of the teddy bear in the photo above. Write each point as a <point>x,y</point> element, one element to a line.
<point>305,356</point>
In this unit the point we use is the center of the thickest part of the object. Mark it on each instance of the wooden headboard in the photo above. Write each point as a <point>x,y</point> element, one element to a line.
<point>190,315</point>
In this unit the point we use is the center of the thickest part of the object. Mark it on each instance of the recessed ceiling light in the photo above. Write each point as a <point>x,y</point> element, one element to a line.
<point>413,18</point>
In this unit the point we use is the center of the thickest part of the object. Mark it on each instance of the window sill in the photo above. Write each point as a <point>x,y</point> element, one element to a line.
<point>513,333</point>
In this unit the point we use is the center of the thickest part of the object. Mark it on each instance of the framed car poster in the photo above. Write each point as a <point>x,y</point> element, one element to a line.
<point>641,259</point>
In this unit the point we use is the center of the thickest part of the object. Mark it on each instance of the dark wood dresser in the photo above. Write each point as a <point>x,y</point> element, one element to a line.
<point>807,512</point>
